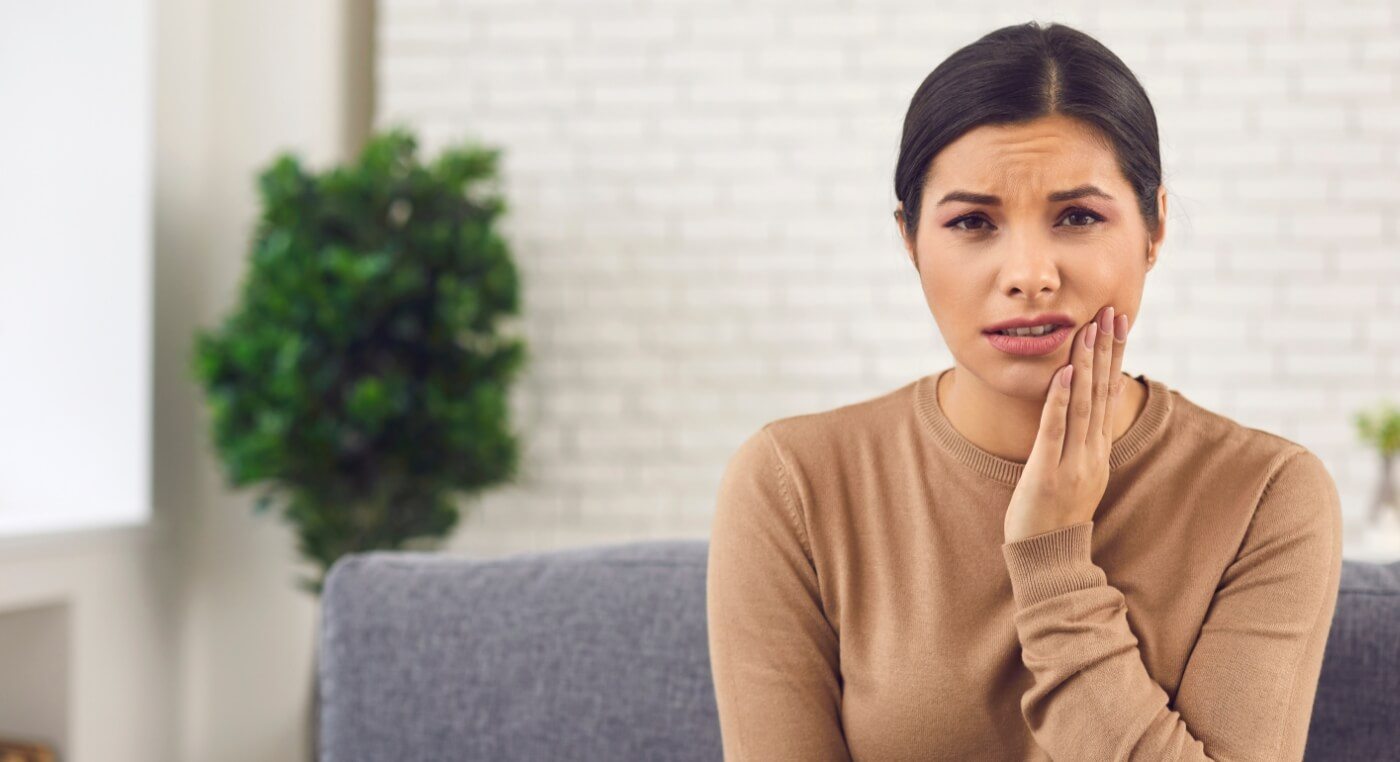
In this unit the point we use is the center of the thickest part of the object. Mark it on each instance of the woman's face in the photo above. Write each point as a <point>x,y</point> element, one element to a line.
<point>986,260</point>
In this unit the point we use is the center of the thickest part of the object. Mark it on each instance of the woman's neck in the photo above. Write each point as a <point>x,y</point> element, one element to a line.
<point>1007,426</point>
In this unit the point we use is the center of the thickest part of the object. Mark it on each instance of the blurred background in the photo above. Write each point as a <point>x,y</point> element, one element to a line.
<point>700,197</point>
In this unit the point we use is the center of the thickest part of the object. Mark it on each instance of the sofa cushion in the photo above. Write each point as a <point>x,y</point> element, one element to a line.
<point>1356,715</point>
<point>601,653</point>
<point>582,654</point>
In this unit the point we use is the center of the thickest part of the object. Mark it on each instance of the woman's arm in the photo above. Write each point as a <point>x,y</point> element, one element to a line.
<point>1247,692</point>
<point>773,653</point>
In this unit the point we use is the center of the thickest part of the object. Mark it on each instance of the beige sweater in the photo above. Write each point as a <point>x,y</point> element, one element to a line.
<point>863,605</point>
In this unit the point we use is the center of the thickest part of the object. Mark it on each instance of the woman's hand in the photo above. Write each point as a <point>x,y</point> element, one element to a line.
<point>1067,471</point>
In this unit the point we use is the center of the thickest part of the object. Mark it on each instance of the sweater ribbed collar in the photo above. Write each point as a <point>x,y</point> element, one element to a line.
<point>1148,424</point>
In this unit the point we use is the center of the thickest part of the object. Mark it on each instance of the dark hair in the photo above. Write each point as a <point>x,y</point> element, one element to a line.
<point>1019,73</point>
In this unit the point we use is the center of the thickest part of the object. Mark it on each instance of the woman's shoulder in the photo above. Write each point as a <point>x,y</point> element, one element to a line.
<point>822,431</point>
<point>1235,449</point>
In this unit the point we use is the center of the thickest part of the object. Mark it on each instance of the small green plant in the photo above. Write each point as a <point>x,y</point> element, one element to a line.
<point>361,379</point>
<point>1380,428</point>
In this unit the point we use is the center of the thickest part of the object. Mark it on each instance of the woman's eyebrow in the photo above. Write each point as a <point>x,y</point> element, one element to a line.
<point>989,200</point>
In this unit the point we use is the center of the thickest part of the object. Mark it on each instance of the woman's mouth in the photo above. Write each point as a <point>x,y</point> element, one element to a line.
<point>1032,342</point>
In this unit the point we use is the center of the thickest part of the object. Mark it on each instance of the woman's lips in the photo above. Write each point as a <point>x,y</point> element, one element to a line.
<point>1030,346</point>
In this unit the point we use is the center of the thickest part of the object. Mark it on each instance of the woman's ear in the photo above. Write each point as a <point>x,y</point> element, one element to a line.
<point>904,235</point>
<point>1154,244</point>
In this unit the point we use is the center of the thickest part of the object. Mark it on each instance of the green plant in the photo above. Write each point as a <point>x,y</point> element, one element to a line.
<point>361,379</point>
<point>1380,428</point>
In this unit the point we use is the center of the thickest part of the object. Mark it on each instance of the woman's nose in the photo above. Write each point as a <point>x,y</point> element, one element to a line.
<point>1029,269</point>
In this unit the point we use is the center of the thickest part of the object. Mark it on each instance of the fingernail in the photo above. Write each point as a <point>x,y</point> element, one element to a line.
<point>1120,328</point>
<point>1090,335</point>
<point>1065,375</point>
<point>1106,320</point>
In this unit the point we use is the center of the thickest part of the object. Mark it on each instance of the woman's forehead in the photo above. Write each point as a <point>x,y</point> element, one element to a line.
<point>1028,161</point>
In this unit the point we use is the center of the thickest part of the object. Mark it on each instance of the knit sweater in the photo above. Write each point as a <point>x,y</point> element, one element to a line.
<point>862,603</point>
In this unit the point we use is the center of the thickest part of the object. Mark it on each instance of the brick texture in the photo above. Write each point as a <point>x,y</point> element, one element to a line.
<point>701,209</point>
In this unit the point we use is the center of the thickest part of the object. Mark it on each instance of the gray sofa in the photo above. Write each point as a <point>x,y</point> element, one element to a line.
<point>600,653</point>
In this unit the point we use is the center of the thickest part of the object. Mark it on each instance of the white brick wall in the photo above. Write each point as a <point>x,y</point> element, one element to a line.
<point>701,198</point>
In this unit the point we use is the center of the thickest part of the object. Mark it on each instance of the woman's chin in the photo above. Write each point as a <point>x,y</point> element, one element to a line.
<point>1028,378</point>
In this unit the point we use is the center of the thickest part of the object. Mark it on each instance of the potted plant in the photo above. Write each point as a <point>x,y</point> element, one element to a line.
<point>361,380</point>
<point>1381,429</point>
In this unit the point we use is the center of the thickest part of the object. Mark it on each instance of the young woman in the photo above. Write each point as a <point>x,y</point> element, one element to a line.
<point>1031,554</point>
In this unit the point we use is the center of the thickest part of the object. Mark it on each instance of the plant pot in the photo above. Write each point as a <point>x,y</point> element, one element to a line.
<point>1386,504</point>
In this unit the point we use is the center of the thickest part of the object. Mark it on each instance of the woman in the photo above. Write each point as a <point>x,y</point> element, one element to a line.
<point>1029,555</point>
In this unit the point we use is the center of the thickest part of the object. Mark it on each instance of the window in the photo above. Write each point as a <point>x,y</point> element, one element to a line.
<point>75,263</point>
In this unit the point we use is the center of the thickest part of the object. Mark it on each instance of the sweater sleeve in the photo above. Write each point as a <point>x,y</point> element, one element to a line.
<point>1248,687</point>
<point>773,652</point>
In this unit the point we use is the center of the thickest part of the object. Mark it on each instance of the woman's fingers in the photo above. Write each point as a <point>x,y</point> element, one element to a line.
<point>1081,386</point>
<point>1115,374</point>
<point>1050,439</point>
<point>1103,351</point>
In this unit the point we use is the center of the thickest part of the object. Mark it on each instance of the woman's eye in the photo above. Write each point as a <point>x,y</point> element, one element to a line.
<point>1082,213</point>
<point>1084,217</point>
<point>956,224</point>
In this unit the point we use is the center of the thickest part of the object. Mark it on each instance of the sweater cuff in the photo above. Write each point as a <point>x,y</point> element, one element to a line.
<point>1052,563</point>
